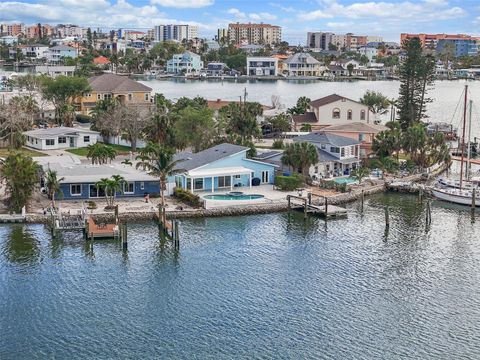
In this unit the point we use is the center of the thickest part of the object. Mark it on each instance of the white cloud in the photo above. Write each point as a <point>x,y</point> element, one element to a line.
<point>240,15</point>
<point>314,15</point>
<point>183,3</point>
<point>262,16</point>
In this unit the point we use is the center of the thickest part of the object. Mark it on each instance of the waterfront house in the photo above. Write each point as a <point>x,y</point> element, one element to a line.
<point>332,110</point>
<point>338,155</point>
<point>222,167</point>
<point>55,70</point>
<point>60,138</point>
<point>79,180</point>
<point>111,86</point>
<point>262,66</point>
<point>186,63</point>
<point>362,132</point>
<point>8,40</point>
<point>58,53</point>
<point>216,69</point>
<point>35,51</point>
<point>302,64</point>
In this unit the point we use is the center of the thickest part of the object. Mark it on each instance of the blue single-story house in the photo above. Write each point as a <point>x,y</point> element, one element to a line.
<point>221,167</point>
<point>78,181</point>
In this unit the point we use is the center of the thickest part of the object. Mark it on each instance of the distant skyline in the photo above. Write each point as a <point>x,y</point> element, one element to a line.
<point>387,18</point>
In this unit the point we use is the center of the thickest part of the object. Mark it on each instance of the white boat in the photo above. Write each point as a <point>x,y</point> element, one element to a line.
<point>457,196</point>
<point>460,192</point>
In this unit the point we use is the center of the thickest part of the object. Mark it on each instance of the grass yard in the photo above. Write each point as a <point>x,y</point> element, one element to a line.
<point>5,151</point>
<point>121,150</point>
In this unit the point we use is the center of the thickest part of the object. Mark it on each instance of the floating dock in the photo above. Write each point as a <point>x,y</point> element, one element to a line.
<point>305,204</point>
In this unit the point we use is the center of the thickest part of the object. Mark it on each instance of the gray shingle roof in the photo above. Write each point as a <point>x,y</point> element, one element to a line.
<point>58,131</point>
<point>116,83</point>
<point>327,138</point>
<point>308,117</point>
<point>301,58</point>
<point>209,155</point>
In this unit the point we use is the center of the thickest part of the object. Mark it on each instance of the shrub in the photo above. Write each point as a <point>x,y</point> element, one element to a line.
<point>278,144</point>
<point>288,183</point>
<point>91,205</point>
<point>187,197</point>
<point>83,119</point>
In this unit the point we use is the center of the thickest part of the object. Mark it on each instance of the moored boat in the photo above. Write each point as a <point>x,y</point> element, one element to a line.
<point>457,196</point>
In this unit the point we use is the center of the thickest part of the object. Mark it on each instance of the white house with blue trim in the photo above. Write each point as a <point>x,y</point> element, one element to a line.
<point>222,167</point>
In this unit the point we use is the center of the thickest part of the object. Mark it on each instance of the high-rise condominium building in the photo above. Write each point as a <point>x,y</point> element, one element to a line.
<point>175,32</point>
<point>319,40</point>
<point>244,34</point>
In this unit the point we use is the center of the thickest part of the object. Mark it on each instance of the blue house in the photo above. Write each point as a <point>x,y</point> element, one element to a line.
<point>222,167</point>
<point>78,181</point>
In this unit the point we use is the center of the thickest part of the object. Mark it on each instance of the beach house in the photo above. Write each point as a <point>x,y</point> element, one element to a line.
<point>185,63</point>
<point>222,167</point>
<point>60,138</point>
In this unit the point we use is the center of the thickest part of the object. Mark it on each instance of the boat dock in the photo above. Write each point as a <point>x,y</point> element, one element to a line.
<point>305,203</point>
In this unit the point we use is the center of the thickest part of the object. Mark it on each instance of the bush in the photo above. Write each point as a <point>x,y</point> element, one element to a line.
<point>278,144</point>
<point>187,197</point>
<point>91,205</point>
<point>288,183</point>
<point>83,119</point>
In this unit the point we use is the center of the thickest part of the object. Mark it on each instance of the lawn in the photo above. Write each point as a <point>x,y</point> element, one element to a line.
<point>4,152</point>
<point>120,149</point>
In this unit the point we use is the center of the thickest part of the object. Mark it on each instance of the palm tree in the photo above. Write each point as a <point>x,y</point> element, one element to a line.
<point>100,153</point>
<point>376,102</point>
<point>306,128</point>
<point>360,173</point>
<point>159,162</point>
<point>52,183</point>
<point>111,187</point>
<point>300,155</point>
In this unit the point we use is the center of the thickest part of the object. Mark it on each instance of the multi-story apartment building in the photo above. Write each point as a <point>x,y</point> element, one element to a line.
<point>11,29</point>
<point>67,30</point>
<point>429,41</point>
<point>58,53</point>
<point>175,32</point>
<point>459,47</point>
<point>340,41</point>
<point>319,40</point>
<point>244,34</point>
<point>222,35</point>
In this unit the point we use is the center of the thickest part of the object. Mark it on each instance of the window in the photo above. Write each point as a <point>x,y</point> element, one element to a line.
<point>336,113</point>
<point>316,170</point>
<point>142,185</point>
<point>198,184</point>
<point>107,96</point>
<point>76,190</point>
<point>146,97</point>
<point>50,142</point>
<point>349,115</point>
<point>128,188</point>
<point>86,139</point>
<point>334,149</point>
<point>62,140</point>
<point>322,146</point>
<point>189,183</point>
<point>224,181</point>
<point>130,97</point>
<point>93,192</point>
<point>362,115</point>
<point>361,137</point>
<point>238,176</point>
<point>99,97</point>
<point>342,153</point>
<point>265,176</point>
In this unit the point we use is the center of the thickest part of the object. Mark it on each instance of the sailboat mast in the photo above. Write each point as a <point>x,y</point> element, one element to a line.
<point>463,135</point>
<point>469,149</point>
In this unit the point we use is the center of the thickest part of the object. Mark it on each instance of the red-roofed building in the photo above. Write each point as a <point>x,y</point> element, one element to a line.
<point>101,60</point>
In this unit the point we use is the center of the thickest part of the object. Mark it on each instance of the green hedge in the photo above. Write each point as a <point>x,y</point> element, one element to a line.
<point>187,197</point>
<point>83,119</point>
<point>288,183</point>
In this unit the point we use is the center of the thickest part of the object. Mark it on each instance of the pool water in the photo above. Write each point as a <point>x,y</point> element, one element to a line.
<point>233,197</point>
<point>345,180</point>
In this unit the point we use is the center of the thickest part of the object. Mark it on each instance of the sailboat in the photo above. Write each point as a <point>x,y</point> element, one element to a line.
<point>460,192</point>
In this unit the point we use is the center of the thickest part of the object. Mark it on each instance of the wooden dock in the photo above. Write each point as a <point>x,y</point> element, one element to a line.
<point>305,204</point>
<point>101,230</point>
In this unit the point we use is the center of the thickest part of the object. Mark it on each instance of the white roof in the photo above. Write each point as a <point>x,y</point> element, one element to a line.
<point>86,173</point>
<point>58,131</point>
<point>224,171</point>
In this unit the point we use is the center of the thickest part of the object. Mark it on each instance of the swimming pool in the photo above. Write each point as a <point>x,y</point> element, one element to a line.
<point>233,196</point>
<point>345,180</point>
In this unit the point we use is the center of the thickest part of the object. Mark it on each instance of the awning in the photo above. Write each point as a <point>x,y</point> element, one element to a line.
<point>228,171</point>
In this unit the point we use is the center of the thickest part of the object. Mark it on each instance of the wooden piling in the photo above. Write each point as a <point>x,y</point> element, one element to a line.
<point>124,237</point>
<point>326,207</point>
<point>363,198</point>
<point>177,236</point>
<point>428,216</point>
<point>309,196</point>
<point>289,205</point>
<point>387,217</point>
<point>305,214</point>
<point>474,195</point>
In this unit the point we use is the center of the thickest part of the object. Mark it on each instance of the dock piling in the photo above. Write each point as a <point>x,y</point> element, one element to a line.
<point>474,195</point>
<point>387,217</point>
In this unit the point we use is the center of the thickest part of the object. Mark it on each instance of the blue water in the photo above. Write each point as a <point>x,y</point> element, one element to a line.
<point>266,286</point>
<point>345,180</point>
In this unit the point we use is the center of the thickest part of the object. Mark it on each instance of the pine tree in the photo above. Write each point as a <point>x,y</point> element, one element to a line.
<point>416,73</point>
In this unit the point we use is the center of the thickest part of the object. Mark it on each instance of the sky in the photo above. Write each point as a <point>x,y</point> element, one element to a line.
<point>387,18</point>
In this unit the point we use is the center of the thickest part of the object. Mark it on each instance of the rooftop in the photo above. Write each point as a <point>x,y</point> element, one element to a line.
<point>209,155</point>
<point>356,127</point>
<point>58,131</point>
<point>326,138</point>
<point>116,83</point>
<point>329,99</point>
<point>303,58</point>
<point>308,117</point>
